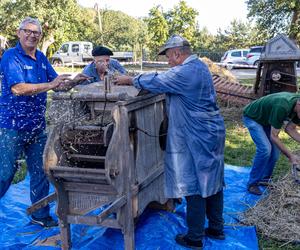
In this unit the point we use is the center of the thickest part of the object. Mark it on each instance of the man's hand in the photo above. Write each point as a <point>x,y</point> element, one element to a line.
<point>79,78</point>
<point>122,80</point>
<point>60,79</point>
<point>68,83</point>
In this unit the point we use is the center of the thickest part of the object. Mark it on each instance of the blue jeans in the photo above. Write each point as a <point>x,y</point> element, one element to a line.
<point>15,143</point>
<point>267,153</point>
<point>196,209</point>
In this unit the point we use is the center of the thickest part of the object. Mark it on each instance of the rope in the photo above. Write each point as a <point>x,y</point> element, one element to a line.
<point>145,132</point>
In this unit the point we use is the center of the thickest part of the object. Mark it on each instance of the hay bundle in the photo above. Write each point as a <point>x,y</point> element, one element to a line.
<point>217,70</point>
<point>278,214</point>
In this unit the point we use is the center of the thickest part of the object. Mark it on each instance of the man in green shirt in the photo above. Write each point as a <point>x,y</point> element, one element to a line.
<point>264,119</point>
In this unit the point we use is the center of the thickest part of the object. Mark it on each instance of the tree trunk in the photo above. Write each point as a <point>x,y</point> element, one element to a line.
<point>46,42</point>
<point>294,27</point>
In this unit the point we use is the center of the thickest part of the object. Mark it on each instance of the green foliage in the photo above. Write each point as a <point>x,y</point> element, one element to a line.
<point>276,16</point>
<point>120,31</point>
<point>239,35</point>
<point>65,20</point>
<point>60,19</point>
<point>21,172</point>
<point>203,40</point>
<point>182,21</point>
<point>157,30</point>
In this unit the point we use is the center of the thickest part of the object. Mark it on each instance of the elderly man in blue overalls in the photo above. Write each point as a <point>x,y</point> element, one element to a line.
<point>194,158</point>
<point>27,76</point>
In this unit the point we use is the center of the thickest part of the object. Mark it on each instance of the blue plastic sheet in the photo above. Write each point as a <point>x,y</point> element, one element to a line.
<point>155,229</point>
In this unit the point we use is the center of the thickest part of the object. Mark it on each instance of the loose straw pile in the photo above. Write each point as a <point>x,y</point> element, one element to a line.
<point>277,215</point>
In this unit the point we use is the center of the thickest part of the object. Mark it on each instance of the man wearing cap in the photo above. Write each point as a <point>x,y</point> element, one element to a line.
<point>194,157</point>
<point>102,65</point>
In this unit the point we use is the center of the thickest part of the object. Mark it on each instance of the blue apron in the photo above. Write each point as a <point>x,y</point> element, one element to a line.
<point>194,158</point>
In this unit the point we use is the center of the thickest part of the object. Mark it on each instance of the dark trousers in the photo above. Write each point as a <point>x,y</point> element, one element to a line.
<point>197,208</point>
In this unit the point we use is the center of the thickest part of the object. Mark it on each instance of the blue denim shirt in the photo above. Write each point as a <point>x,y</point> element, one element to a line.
<point>23,112</point>
<point>113,66</point>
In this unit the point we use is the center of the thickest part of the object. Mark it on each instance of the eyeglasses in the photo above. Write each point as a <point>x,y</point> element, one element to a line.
<point>101,61</point>
<point>29,32</point>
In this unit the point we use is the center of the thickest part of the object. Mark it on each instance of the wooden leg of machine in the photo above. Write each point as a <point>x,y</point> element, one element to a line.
<point>62,212</point>
<point>128,224</point>
<point>129,234</point>
<point>65,235</point>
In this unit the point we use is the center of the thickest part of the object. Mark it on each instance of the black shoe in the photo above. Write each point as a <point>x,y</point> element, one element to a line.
<point>254,189</point>
<point>214,234</point>
<point>183,240</point>
<point>44,222</point>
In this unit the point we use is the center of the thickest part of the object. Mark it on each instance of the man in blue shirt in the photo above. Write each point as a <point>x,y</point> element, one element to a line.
<point>27,76</point>
<point>194,157</point>
<point>102,65</point>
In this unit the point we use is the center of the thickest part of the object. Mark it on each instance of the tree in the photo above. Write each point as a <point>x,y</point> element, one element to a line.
<point>276,16</point>
<point>157,30</point>
<point>120,31</point>
<point>182,21</point>
<point>59,18</point>
<point>204,40</point>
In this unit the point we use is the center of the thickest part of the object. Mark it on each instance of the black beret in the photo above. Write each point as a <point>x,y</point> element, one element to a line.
<point>101,51</point>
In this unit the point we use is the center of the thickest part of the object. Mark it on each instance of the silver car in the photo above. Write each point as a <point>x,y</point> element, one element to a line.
<point>254,55</point>
<point>235,56</point>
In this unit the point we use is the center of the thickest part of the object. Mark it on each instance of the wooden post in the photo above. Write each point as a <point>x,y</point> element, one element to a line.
<point>62,212</point>
<point>128,166</point>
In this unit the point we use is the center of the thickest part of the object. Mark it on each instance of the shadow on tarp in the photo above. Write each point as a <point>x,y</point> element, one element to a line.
<point>155,229</point>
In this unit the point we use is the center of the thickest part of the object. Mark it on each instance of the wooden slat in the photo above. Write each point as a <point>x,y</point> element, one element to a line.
<point>92,221</point>
<point>78,170</point>
<point>89,158</point>
<point>41,203</point>
<point>148,180</point>
<point>90,188</point>
<point>77,176</point>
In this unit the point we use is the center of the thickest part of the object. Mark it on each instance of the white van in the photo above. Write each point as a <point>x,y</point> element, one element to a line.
<point>73,52</point>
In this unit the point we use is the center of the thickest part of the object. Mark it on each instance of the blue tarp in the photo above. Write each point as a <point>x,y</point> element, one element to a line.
<point>156,229</point>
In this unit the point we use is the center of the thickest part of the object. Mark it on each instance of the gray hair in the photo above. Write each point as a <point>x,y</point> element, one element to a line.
<point>31,20</point>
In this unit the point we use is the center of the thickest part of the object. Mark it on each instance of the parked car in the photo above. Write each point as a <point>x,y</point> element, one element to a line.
<point>235,56</point>
<point>254,55</point>
<point>76,52</point>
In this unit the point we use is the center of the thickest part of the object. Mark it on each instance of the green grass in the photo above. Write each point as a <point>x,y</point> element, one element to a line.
<point>269,244</point>
<point>248,82</point>
<point>61,70</point>
<point>21,172</point>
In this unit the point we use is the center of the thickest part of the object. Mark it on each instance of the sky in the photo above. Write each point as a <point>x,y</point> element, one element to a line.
<point>213,14</point>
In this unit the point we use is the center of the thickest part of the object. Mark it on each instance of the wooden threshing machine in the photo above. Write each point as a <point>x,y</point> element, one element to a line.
<point>104,149</point>
<point>277,68</point>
